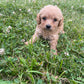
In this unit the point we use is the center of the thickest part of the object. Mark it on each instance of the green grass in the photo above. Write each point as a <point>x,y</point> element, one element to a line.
<point>33,64</point>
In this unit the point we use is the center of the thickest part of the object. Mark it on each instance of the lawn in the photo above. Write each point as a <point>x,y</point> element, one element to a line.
<point>33,64</point>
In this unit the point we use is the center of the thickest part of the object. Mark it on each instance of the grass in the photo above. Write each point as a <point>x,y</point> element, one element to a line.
<point>33,64</point>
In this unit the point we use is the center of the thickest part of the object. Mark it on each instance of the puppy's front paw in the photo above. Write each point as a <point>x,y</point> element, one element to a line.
<point>63,32</point>
<point>54,52</point>
<point>26,43</point>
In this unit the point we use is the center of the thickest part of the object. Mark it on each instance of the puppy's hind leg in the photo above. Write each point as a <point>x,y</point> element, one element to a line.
<point>33,39</point>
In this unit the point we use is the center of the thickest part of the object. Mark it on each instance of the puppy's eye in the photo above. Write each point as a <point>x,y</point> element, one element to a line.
<point>44,18</point>
<point>55,19</point>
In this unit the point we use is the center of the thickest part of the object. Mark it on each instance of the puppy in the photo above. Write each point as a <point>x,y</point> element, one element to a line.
<point>49,25</point>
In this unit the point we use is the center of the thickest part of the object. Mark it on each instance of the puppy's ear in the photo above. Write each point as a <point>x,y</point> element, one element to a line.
<point>61,22</point>
<point>38,19</point>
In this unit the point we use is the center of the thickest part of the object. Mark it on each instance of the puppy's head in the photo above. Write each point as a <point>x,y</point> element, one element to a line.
<point>50,18</point>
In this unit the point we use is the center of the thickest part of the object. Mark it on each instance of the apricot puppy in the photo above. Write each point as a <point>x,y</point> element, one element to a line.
<point>49,25</point>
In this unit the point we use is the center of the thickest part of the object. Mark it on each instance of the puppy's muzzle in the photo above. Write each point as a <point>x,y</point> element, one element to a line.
<point>48,26</point>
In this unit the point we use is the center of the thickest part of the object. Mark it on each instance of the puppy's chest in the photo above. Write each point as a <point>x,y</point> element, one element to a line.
<point>46,35</point>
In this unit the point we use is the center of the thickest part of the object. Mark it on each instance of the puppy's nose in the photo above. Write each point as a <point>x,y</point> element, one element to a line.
<point>48,26</point>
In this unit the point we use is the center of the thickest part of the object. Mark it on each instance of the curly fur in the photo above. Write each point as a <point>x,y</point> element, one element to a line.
<point>49,15</point>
